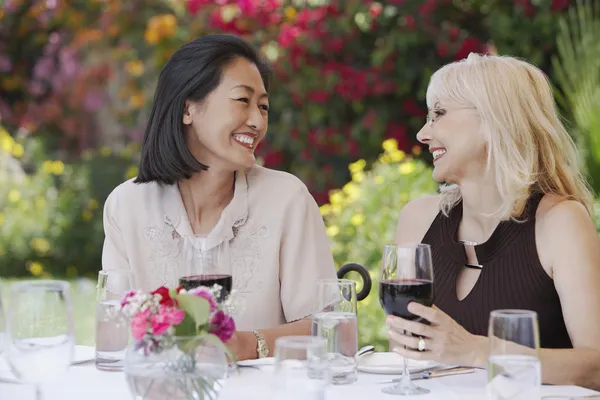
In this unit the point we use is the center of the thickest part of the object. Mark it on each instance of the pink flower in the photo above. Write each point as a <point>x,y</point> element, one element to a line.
<point>175,316</point>
<point>205,294</point>
<point>139,325</point>
<point>125,300</point>
<point>223,326</point>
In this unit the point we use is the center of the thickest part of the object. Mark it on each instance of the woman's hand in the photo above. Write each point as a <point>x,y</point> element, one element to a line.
<point>242,345</point>
<point>445,340</point>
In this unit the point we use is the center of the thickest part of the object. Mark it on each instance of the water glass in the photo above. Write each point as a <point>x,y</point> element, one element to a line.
<point>514,370</point>
<point>301,371</point>
<point>112,326</point>
<point>336,322</point>
<point>40,338</point>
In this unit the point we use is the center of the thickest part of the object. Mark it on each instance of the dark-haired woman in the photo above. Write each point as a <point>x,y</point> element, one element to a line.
<point>198,188</point>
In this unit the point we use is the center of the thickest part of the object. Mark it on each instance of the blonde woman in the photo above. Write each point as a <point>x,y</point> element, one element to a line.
<point>512,226</point>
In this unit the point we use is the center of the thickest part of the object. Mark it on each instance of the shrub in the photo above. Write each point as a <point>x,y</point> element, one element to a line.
<point>51,212</point>
<point>361,218</point>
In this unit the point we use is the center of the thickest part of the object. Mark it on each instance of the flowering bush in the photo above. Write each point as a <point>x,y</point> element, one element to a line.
<point>158,317</point>
<point>343,82</point>
<point>50,210</point>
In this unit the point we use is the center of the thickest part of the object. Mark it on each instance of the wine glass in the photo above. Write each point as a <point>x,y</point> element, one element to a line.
<point>40,335</point>
<point>209,266</point>
<point>406,276</point>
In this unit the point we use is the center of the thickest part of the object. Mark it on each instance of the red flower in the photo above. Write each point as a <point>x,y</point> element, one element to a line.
<point>442,49</point>
<point>375,10</point>
<point>288,35</point>
<point>319,96</point>
<point>223,326</point>
<point>273,159</point>
<point>165,297</point>
<point>470,45</point>
<point>427,8</point>
<point>559,5</point>
<point>194,5</point>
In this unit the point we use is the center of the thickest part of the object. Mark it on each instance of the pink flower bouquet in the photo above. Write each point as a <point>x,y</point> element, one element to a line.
<point>160,316</point>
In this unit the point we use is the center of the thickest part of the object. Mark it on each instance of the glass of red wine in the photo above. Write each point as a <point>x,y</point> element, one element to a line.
<point>406,276</point>
<point>209,268</point>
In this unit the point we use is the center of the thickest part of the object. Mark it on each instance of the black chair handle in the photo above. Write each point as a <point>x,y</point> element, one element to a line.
<point>364,274</point>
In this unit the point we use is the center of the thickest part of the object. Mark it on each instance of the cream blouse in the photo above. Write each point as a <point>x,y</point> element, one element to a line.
<point>271,236</point>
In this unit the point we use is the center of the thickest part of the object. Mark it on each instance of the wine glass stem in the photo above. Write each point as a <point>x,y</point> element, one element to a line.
<point>38,393</point>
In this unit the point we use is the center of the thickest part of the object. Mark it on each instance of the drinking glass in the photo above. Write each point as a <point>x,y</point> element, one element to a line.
<point>112,326</point>
<point>301,371</point>
<point>514,370</point>
<point>336,322</point>
<point>40,334</point>
<point>406,276</point>
<point>209,267</point>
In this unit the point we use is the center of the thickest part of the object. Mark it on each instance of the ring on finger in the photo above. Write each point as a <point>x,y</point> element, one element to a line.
<point>421,344</point>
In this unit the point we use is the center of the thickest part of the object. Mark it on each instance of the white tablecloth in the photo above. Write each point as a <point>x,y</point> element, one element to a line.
<point>86,382</point>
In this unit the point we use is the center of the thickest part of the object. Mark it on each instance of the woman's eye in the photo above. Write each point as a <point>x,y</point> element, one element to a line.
<point>265,107</point>
<point>244,100</point>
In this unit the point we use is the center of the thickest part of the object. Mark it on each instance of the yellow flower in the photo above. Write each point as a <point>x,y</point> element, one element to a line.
<point>131,172</point>
<point>136,100</point>
<point>92,204</point>
<point>105,151</point>
<point>58,167</point>
<point>290,13</point>
<point>325,209</point>
<point>18,150</point>
<point>357,166</point>
<point>36,268</point>
<point>336,197</point>
<point>1,219</point>
<point>379,179</point>
<point>407,168</point>
<point>332,230</point>
<point>358,177</point>
<point>14,195</point>
<point>40,245</point>
<point>397,156</point>
<point>336,209</point>
<point>352,191</point>
<point>385,159</point>
<point>87,215</point>
<point>151,36</point>
<point>357,219</point>
<point>134,68</point>
<point>390,145</point>
<point>6,143</point>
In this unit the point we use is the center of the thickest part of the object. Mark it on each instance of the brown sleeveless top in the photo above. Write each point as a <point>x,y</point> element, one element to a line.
<point>512,276</point>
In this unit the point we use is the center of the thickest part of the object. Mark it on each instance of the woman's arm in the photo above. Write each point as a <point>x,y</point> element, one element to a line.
<point>244,344</point>
<point>304,258</point>
<point>569,234</point>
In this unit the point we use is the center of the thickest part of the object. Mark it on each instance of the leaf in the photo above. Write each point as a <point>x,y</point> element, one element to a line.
<point>197,308</point>
<point>187,327</point>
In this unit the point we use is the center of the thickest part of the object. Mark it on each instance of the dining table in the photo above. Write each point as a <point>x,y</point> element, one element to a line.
<point>84,381</point>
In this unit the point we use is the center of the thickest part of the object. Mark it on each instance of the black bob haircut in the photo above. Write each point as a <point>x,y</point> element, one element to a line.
<point>192,73</point>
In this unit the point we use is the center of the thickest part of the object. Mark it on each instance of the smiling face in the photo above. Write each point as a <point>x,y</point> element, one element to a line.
<point>455,139</point>
<point>224,130</point>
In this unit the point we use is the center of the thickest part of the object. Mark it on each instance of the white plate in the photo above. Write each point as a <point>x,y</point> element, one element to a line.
<point>257,362</point>
<point>84,354</point>
<point>391,363</point>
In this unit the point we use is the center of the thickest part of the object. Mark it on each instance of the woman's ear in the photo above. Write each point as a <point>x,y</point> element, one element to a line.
<point>187,113</point>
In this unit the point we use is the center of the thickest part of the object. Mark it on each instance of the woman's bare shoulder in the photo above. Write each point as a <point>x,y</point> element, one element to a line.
<point>416,218</point>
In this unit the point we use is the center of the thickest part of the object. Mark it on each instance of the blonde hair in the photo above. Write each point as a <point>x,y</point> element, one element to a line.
<point>528,148</point>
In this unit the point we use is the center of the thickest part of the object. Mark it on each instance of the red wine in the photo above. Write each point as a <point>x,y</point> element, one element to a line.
<point>191,282</point>
<point>396,294</point>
